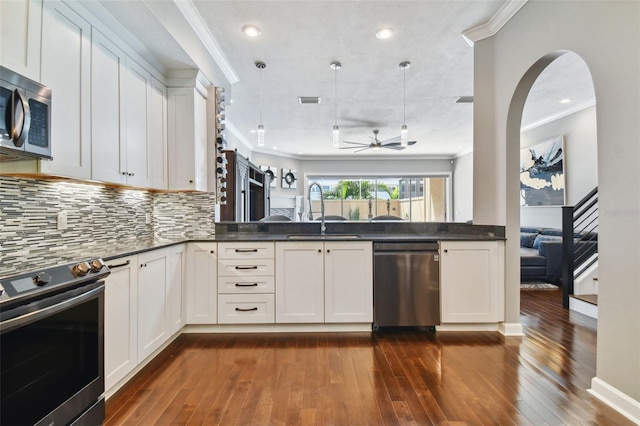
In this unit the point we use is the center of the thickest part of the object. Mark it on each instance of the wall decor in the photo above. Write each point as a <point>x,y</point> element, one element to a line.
<point>289,179</point>
<point>271,173</point>
<point>542,180</point>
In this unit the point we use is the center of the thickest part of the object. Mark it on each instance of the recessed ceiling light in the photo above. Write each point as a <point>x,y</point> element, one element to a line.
<point>565,101</point>
<point>384,33</point>
<point>251,30</point>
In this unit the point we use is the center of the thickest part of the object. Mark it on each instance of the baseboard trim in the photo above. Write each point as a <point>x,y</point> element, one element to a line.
<point>619,401</point>
<point>584,308</point>
<point>276,328</point>
<point>467,327</point>
<point>511,329</point>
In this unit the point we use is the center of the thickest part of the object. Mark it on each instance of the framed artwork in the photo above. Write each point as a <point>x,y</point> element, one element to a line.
<point>289,179</point>
<point>271,173</point>
<point>542,180</point>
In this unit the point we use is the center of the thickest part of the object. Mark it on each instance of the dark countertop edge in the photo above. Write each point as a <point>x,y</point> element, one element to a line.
<point>117,253</point>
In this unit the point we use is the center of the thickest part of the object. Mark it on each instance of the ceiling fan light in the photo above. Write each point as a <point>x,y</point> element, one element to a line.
<point>260,135</point>
<point>404,136</point>
<point>336,136</point>
<point>251,30</point>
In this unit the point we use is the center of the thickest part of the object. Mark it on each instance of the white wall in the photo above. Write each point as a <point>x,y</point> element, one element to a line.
<point>463,188</point>
<point>580,162</point>
<point>606,34</point>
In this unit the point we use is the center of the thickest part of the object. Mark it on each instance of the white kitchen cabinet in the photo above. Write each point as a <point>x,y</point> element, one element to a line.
<point>348,281</point>
<point>187,139</point>
<point>107,109</point>
<point>120,319</point>
<point>20,35</point>
<point>158,136</point>
<point>471,281</point>
<point>176,306</point>
<point>246,282</point>
<point>152,302</point>
<point>201,283</point>
<point>299,282</point>
<point>66,69</point>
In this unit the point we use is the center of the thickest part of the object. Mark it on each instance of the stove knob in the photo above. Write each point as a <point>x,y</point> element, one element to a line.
<point>96,265</point>
<point>42,279</point>
<point>80,269</point>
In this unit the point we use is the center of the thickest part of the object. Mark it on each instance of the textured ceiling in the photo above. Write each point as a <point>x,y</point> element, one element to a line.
<point>301,38</point>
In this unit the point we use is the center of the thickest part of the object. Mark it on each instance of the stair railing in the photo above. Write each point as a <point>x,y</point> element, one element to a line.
<point>579,241</point>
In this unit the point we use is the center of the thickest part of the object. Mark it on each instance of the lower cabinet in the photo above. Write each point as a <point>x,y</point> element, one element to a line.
<point>144,307</point>
<point>201,283</point>
<point>324,282</point>
<point>120,319</point>
<point>471,281</point>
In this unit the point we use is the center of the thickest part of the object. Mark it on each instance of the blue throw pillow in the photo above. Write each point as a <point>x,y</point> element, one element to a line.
<point>540,238</point>
<point>527,239</point>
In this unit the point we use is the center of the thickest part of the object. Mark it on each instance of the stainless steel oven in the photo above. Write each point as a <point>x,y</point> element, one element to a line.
<point>52,346</point>
<point>25,117</point>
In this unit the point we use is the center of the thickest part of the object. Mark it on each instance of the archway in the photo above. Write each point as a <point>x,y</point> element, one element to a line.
<point>553,105</point>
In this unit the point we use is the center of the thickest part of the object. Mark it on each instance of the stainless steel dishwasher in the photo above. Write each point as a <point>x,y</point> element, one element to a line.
<point>406,284</point>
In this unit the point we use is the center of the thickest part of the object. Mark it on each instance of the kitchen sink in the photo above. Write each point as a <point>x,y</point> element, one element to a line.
<point>322,237</point>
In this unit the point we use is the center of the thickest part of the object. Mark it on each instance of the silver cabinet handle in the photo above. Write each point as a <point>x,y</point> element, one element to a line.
<point>119,265</point>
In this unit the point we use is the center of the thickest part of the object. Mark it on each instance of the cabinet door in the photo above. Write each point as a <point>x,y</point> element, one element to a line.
<point>471,282</point>
<point>175,288</point>
<point>107,105</point>
<point>120,320</point>
<point>137,97</point>
<point>66,68</point>
<point>348,282</point>
<point>152,302</point>
<point>20,32</point>
<point>201,275</point>
<point>299,282</point>
<point>158,136</point>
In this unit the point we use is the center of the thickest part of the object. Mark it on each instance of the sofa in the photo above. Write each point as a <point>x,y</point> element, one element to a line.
<point>541,253</point>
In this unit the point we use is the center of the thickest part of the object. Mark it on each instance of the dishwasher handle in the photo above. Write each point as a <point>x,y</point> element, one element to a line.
<point>398,247</point>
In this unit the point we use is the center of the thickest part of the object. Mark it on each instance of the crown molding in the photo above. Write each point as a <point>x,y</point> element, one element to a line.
<point>548,119</point>
<point>491,28</point>
<point>229,126</point>
<point>193,17</point>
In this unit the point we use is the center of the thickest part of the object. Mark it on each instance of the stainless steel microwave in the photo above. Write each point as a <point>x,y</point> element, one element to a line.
<point>25,117</point>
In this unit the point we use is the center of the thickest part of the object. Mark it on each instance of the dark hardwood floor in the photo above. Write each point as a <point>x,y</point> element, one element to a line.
<point>390,378</point>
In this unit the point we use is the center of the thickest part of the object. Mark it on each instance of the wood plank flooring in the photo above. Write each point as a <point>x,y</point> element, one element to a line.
<point>383,378</point>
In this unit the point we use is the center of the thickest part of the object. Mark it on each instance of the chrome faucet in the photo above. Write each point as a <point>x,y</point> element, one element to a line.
<point>323,228</point>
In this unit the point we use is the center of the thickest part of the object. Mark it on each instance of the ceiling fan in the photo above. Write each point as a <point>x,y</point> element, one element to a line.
<point>393,143</point>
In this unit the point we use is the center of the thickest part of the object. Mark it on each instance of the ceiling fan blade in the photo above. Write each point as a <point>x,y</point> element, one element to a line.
<point>391,144</point>
<point>396,147</point>
<point>356,143</point>
<point>411,142</point>
<point>362,149</point>
<point>352,147</point>
<point>394,139</point>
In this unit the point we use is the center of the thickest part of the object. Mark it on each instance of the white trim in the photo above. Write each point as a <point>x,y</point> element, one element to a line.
<point>193,17</point>
<point>582,307</point>
<point>468,327</point>
<point>579,107</point>
<point>619,401</point>
<point>494,25</point>
<point>277,328</point>
<point>511,329</point>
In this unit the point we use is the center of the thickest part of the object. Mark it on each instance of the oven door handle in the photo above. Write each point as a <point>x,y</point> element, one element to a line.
<point>30,317</point>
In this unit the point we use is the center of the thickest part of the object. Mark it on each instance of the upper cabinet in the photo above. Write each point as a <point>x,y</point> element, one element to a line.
<point>20,35</point>
<point>66,69</point>
<point>187,138</point>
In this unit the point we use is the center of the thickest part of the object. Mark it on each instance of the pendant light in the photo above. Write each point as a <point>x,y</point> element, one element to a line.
<point>404,132</point>
<point>336,130</point>
<point>260,65</point>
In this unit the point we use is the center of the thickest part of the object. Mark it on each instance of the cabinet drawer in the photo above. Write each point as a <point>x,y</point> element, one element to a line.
<point>245,267</point>
<point>242,285</point>
<point>246,308</point>
<point>248,250</point>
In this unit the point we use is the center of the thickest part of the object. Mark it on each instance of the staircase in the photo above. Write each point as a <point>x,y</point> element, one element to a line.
<point>580,255</point>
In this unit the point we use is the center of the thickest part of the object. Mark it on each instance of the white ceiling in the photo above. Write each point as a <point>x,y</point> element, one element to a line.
<point>301,38</point>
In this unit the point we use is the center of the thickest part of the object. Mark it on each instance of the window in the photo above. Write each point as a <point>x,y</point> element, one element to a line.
<point>414,199</point>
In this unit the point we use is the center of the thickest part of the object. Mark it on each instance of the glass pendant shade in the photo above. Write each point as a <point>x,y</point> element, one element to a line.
<point>336,136</point>
<point>260,135</point>
<point>404,135</point>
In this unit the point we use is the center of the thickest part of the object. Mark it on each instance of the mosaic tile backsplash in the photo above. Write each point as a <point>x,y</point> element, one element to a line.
<point>97,216</point>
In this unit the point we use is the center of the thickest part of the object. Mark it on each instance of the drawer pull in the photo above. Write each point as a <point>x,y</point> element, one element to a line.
<point>119,265</point>
<point>247,285</point>
<point>246,309</point>
<point>246,267</point>
<point>246,250</point>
